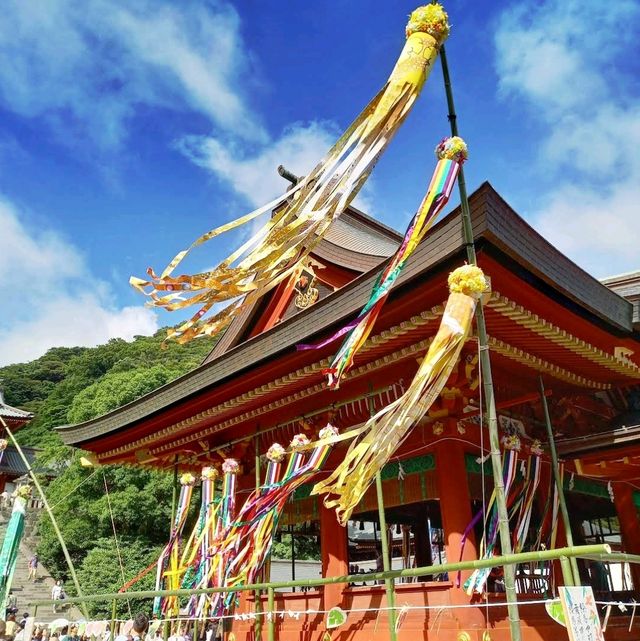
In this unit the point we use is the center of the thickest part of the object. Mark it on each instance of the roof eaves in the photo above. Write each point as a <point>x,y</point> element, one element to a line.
<point>444,241</point>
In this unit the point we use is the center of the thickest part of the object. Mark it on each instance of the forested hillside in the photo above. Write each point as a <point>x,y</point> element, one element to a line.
<point>69,385</point>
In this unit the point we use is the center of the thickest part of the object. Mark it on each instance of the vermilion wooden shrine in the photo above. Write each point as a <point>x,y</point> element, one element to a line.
<point>11,465</point>
<point>545,317</point>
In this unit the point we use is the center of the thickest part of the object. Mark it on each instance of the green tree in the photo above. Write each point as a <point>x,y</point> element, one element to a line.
<point>116,389</point>
<point>140,508</point>
<point>102,573</point>
<point>77,384</point>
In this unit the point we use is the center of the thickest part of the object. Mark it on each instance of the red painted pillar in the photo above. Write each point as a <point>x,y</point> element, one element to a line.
<point>455,501</point>
<point>455,508</point>
<point>629,526</point>
<point>334,554</point>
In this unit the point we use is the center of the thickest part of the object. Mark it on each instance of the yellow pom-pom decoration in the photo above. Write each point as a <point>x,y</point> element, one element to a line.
<point>536,447</point>
<point>468,280</point>
<point>209,473</point>
<point>24,491</point>
<point>431,19</point>
<point>327,432</point>
<point>453,148</point>
<point>276,453</point>
<point>298,442</point>
<point>187,479</point>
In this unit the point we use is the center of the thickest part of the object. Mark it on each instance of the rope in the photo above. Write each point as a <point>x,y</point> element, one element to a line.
<point>463,606</point>
<point>115,536</point>
<point>75,489</point>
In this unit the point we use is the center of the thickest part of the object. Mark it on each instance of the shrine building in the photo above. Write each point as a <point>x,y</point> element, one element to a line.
<point>547,320</point>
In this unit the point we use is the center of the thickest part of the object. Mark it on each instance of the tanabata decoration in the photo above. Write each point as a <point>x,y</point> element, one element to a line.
<point>11,543</point>
<point>228,548</point>
<point>196,555</point>
<point>523,507</point>
<point>478,578</point>
<point>168,574</point>
<point>386,430</point>
<point>258,519</point>
<point>520,494</point>
<point>451,153</point>
<point>303,214</point>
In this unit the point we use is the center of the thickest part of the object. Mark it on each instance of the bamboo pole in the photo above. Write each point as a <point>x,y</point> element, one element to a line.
<point>271,628</point>
<point>384,543</point>
<point>47,507</point>
<point>293,555</point>
<point>620,557</point>
<point>567,571</point>
<point>487,381</point>
<point>386,560</point>
<point>583,551</point>
<point>558,480</point>
<point>113,620</point>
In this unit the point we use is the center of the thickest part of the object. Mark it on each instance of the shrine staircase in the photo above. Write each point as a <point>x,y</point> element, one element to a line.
<point>24,590</point>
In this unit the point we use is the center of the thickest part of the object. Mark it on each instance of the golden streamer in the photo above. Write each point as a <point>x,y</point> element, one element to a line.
<point>301,216</point>
<point>385,431</point>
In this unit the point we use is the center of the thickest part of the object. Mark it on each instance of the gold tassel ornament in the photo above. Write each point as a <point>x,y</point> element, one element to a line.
<point>384,432</point>
<point>302,216</point>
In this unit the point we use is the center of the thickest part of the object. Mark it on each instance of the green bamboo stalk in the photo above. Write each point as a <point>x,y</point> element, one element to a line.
<point>583,551</point>
<point>113,620</point>
<point>384,543</point>
<point>567,571</point>
<point>47,507</point>
<point>487,382</point>
<point>558,481</point>
<point>621,557</point>
<point>386,560</point>
<point>271,628</point>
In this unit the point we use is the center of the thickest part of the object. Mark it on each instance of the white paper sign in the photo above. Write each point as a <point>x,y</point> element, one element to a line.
<point>581,613</point>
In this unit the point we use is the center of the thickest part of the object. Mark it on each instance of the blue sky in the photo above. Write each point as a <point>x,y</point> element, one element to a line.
<point>128,129</point>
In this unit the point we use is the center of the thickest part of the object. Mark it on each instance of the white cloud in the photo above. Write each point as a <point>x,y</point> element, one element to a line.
<point>87,66</point>
<point>49,297</point>
<point>568,61</point>
<point>253,173</point>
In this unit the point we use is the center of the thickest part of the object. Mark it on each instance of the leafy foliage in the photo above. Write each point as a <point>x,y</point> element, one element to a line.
<point>307,548</point>
<point>101,572</point>
<point>117,388</point>
<point>71,385</point>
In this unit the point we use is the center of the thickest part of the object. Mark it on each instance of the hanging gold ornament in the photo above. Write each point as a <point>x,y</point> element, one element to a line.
<point>302,216</point>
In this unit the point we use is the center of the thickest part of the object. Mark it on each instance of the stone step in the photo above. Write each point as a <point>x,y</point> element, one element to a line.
<point>26,591</point>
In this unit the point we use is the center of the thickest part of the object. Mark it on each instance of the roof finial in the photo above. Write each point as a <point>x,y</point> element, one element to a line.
<point>287,175</point>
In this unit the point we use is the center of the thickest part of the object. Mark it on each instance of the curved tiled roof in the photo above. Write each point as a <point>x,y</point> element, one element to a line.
<point>13,413</point>
<point>358,236</point>
<point>354,241</point>
<point>495,224</point>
